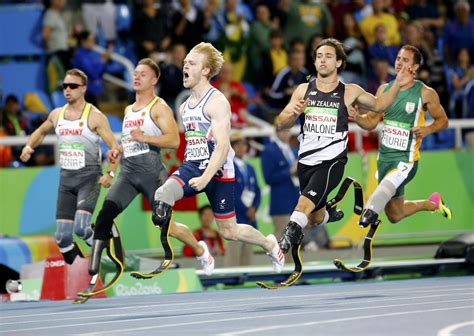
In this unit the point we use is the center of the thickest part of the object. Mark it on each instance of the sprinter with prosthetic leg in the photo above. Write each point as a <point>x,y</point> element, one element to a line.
<point>399,153</point>
<point>208,164</point>
<point>79,127</point>
<point>147,127</point>
<point>322,108</point>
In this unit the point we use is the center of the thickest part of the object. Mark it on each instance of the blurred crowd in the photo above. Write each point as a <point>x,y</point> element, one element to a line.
<point>266,44</point>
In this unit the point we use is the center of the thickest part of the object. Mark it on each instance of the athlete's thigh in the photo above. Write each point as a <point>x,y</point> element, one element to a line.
<point>149,183</point>
<point>399,173</point>
<point>323,180</point>
<point>67,199</point>
<point>221,198</point>
<point>122,192</point>
<point>88,192</point>
<point>184,173</point>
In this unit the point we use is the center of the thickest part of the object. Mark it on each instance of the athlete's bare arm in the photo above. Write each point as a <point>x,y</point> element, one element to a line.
<point>384,100</point>
<point>162,115</point>
<point>217,110</point>
<point>38,135</point>
<point>99,124</point>
<point>369,120</point>
<point>431,102</point>
<point>294,108</point>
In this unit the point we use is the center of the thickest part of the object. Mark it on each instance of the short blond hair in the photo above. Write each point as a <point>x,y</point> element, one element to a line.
<point>78,73</point>
<point>152,65</point>
<point>214,58</point>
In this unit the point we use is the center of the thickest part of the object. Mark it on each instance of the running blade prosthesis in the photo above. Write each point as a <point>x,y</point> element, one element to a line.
<point>115,253</point>
<point>367,252</point>
<point>166,263</point>
<point>295,252</point>
<point>358,207</point>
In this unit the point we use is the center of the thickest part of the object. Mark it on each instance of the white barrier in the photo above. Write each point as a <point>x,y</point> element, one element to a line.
<point>264,131</point>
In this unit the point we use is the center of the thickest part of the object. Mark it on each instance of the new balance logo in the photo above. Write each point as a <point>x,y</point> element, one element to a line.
<point>312,193</point>
<point>312,93</point>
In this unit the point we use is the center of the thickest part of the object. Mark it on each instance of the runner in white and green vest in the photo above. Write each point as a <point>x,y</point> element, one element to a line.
<point>403,130</point>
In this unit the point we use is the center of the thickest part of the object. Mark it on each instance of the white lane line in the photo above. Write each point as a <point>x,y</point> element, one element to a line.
<point>299,325</point>
<point>272,316</point>
<point>225,299</point>
<point>188,310</point>
<point>254,316</point>
<point>448,331</point>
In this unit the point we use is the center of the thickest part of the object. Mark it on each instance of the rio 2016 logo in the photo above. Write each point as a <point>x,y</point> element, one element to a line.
<point>137,288</point>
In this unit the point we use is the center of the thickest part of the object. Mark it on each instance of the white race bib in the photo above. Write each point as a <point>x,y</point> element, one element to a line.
<point>321,121</point>
<point>133,148</point>
<point>396,135</point>
<point>72,156</point>
<point>196,146</point>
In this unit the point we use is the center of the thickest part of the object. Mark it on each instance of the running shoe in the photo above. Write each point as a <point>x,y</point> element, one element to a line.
<point>441,207</point>
<point>206,260</point>
<point>277,256</point>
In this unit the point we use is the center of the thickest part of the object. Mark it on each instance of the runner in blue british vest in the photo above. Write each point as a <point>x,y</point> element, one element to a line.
<point>404,129</point>
<point>208,163</point>
<point>148,126</point>
<point>79,126</point>
<point>322,108</point>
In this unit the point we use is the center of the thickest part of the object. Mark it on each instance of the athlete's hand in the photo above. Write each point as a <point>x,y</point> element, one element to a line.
<point>137,135</point>
<point>26,153</point>
<point>105,180</point>
<point>421,132</point>
<point>405,75</point>
<point>299,107</point>
<point>353,112</point>
<point>198,183</point>
<point>114,154</point>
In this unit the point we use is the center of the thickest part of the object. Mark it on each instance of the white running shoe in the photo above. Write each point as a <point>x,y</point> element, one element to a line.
<point>206,260</point>
<point>277,256</point>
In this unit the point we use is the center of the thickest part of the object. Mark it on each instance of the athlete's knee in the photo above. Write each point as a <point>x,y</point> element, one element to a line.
<point>169,192</point>
<point>228,234</point>
<point>63,234</point>
<point>161,214</point>
<point>393,217</point>
<point>227,230</point>
<point>103,227</point>
<point>82,226</point>
<point>368,217</point>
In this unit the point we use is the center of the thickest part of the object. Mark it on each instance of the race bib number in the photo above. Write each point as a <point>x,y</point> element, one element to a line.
<point>72,156</point>
<point>196,146</point>
<point>321,121</point>
<point>396,135</point>
<point>133,148</point>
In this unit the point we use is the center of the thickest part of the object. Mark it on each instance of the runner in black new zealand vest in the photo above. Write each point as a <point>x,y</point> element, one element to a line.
<point>208,165</point>
<point>404,129</point>
<point>322,106</point>
<point>79,126</point>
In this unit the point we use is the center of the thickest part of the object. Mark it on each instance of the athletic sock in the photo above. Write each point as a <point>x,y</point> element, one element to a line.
<point>299,218</point>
